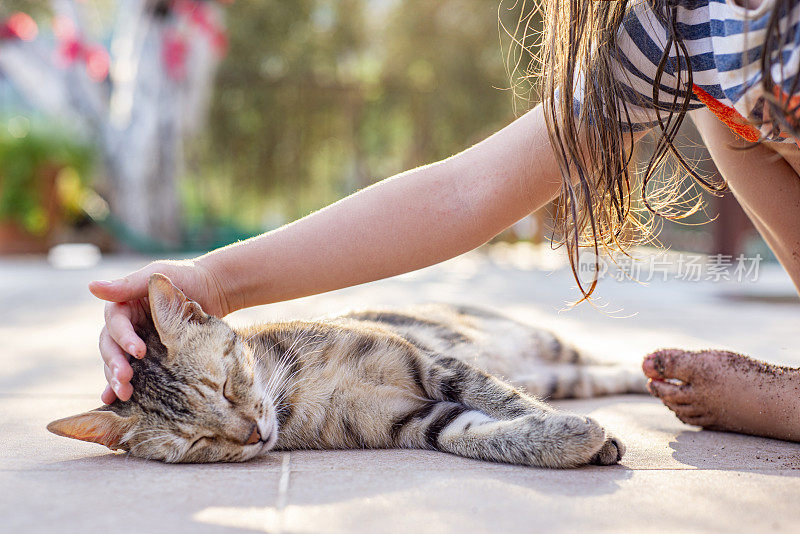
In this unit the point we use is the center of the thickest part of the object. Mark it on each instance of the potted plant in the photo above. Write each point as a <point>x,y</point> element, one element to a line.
<point>32,165</point>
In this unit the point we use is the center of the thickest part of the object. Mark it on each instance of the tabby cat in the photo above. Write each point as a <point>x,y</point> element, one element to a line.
<point>424,379</point>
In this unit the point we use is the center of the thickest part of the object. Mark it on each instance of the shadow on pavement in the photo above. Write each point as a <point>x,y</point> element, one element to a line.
<point>725,451</point>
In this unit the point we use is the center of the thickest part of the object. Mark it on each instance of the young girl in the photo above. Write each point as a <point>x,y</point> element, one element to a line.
<point>612,70</point>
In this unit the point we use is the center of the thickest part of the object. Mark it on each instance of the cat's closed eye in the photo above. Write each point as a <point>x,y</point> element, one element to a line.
<point>227,391</point>
<point>200,440</point>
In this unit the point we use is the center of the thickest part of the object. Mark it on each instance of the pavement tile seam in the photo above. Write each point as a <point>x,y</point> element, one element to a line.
<point>282,500</point>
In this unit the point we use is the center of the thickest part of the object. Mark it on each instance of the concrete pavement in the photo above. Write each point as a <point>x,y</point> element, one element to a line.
<point>674,477</point>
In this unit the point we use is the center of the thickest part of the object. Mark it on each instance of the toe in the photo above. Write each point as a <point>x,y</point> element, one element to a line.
<point>687,411</point>
<point>704,420</point>
<point>671,393</point>
<point>669,363</point>
<point>691,414</point>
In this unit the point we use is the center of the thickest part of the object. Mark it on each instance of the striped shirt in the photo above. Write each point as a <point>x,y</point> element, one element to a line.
<point>724,43</point>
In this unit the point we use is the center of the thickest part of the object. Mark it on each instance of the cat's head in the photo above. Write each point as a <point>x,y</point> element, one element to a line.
<point>193,399</point>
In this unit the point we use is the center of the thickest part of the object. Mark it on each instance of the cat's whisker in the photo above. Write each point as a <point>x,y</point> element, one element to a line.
<point>289,391</point>
<point>310,340</point>
<point>268,385</point>
<point>284,381</point>
<point>281,364</point>
<point>160,434</point>
<point>282,360</point>
<point>165,437</point>
<point>279,376</point>
<point>140,432</point>
<point>275,377</point>
<point>255,335</point>
<point>251,338</point>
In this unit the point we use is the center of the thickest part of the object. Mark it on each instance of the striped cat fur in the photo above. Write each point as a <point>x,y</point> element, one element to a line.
<point>425,378</point>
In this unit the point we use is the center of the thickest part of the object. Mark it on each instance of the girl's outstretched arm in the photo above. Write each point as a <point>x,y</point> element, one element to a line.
<point>403,223</point>
<point>406,222</point>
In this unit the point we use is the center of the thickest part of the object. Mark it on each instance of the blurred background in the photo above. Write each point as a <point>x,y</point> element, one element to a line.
<point>135,129</point>
<point>169,126</point>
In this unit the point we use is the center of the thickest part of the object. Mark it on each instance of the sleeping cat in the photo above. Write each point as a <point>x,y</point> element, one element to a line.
<point>424,379</point>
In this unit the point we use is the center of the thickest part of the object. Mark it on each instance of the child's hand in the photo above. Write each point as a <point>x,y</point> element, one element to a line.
<point>381,231</point>
<point>127,305</point>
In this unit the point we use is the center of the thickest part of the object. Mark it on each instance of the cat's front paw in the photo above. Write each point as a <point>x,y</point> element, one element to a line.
<point>580,441</point>
<point>610,453</point>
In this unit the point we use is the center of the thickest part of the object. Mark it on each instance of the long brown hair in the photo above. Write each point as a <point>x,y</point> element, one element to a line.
<point>604,203</point>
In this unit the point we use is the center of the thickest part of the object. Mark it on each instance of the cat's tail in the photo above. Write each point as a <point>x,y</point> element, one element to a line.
<point>511,338</point>
<point>553,349</point>
<point>570,381</point>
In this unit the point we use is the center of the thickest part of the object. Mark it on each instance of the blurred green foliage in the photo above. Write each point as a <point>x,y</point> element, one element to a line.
<point>30,161</point>
<point>34,8</point>
<point>318,98</point>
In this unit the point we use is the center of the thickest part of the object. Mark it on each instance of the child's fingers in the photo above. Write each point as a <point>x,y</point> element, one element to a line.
<point>119,371</point>
<point>110,378</point>
<point>119,326</point>
<point>108,395</point>
<point>118,336</point>
<point>125,391</point>
<point>122,390</point>
<point>109,349</point>
<point>132,287</point>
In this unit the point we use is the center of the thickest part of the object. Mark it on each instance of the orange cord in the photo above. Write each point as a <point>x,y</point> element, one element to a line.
<point>732,118</point>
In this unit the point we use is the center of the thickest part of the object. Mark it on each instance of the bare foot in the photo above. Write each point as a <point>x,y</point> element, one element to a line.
<point>722,390</point>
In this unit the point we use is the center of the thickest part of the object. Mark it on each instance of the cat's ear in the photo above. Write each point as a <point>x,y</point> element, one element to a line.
<point>171,310</point>
<point>98,426</point>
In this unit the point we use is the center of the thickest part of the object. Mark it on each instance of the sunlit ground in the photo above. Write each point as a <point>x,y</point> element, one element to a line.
<point>673,477</point>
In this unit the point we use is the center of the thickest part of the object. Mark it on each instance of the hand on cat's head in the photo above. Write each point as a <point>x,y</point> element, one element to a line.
<point>127,306</point>
<point>193,393</point>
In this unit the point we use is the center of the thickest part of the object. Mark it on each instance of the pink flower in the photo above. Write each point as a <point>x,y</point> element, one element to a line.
<point>19,26</point>
<point>70,50</point>
<point>174,52</point>
<point>97,62</point>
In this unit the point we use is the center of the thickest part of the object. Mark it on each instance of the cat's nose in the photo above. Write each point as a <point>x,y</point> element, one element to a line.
<point>255,436</point>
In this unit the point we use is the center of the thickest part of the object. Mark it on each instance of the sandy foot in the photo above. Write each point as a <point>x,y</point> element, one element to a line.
<point>721,390</point>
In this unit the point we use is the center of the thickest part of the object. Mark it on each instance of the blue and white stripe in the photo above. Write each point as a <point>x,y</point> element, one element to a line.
<point>724,42</point>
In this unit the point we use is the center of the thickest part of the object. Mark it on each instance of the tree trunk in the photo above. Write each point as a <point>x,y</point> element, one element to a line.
<point>139,116</point>
<point>143,139</point>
